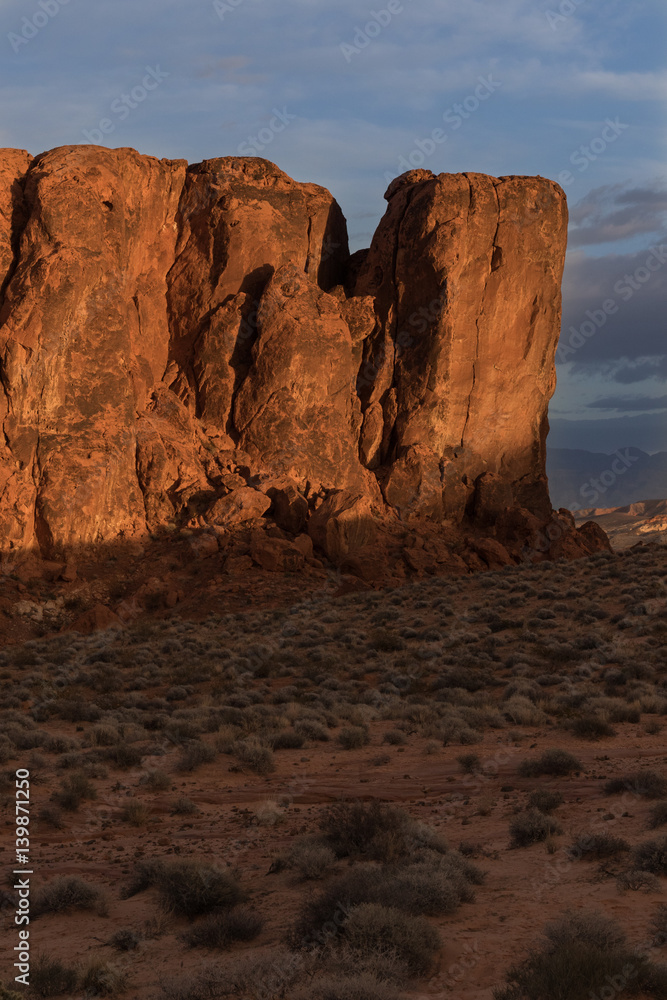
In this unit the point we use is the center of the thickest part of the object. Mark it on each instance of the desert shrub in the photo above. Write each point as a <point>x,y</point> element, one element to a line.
<point>635,880</point>
<point>649,784</point>
<point>194,755</point>
<point>157,780</point>
<point>597,845</point>
<point>582,953</point>
<point>124,756</point>
<point>125,940</point>
<point>191,888</point>
<point>353,737</point>
<point>545,800</point>
<point>658,925</point>
<point>658,815</point>
<point>309,860</point>
<point>431,887</point>
<point>51,815</point>
<point>395,738</point>
<point>183,806</point>
<point>102,979</point>
<point>221,930</point>
<point>288,739</point>
<point>469,762</point>
<point>371,928</point>
<point>67,893</point>
<point>254,755</point>
<point>49,977</point>
<point>311,729</point>
<point>245,979</point>
<point>651,856</point>
<point>532,826</point>
<point>136,814</point>
<point>360,986</point>
<point>379,831</point>
<point>73,791</point>
<point>591,727</point>
<point>552,762</point>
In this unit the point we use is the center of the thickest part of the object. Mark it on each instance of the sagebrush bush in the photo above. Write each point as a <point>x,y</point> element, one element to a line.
<point>371,928</point>
<point>73,791</point>
<point>582,954</point>
<point>597,845</point>
<point>125,939</point>
<point>379,831</point>
<point>194,755</point>
<point>254,755</point>
<point>545,800</point>
<point>591,727</point>
<point>136,814</point>
<point>191,888</point>
<point>532,826</point>
<point>67,893</point>
<point>651,856</point>
<point>309,859</point>
<point>353,737</point>
<point>552,762</point>
<point>222,930</point>
<point>658,815</point>
<point>648,784</point>
<point>102,979</point>
<point>49,977</point>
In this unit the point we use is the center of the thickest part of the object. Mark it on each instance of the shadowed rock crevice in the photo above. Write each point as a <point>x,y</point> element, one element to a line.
<point>194,347</point>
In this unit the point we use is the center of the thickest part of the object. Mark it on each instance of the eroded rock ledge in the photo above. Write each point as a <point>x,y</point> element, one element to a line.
<point>193,347</point>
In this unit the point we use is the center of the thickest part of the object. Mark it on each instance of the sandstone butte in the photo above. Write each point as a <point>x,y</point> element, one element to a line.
<point>193,347</point>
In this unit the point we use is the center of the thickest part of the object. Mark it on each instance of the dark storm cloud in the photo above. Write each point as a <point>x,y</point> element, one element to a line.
<point>646,431</point>
<point>616,212</point>
<point>614,306</point>
<point>629,372</point>
<point>640,404</point>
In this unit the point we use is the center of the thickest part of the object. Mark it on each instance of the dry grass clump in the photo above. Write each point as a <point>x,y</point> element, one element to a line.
<point>651,856</point>
<point>254,755</point>
<point>102,979</point>
<point>187,888</point>
<point>582,954</point>
<point>136,814</point>
<point>658,815</point>
<point>353,737</point>
<point>125,940</point>
<point>49,977</point>
<point>68,893</point>
<point>221,930</point>
<point>556,763</point>
<point>648,784</point>
<point>545,800</point>
<point>636,880</point>
<point>194,755</point>
<point>531,827</point>
<point>597,846</point>
<point>373,929</point>
<point>375,830</point>
<point>308,859</point>
<point>73,791</point>
<point>591,727</point>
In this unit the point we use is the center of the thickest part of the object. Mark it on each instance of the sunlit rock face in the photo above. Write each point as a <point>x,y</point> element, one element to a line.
<point>173,335</point>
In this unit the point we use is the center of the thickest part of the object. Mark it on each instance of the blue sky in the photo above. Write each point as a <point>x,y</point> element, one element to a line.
<point>573,90</point>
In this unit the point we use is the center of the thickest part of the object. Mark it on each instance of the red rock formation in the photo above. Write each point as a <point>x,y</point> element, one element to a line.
<point>193,346</point>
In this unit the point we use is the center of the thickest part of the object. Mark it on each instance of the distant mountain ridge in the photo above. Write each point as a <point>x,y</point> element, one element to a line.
<point>584,479</point>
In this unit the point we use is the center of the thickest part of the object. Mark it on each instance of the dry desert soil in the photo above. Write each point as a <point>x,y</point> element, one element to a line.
<point>368,796</point>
